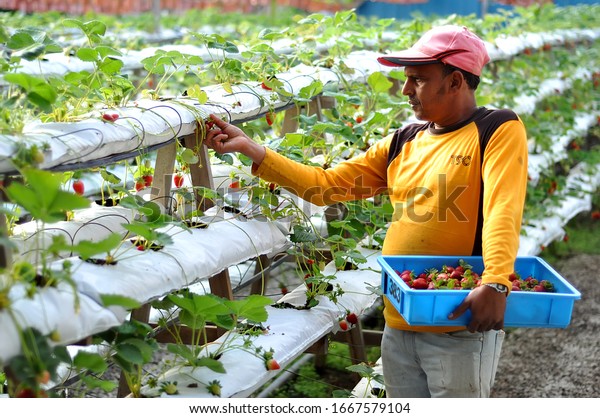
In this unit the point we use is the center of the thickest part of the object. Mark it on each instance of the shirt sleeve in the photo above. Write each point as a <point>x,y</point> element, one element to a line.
<point>504,173</point>
<point>358,178</point>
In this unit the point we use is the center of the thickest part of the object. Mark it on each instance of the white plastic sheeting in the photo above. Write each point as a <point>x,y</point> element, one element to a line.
<point>53,310</point>
<point>92,224</point>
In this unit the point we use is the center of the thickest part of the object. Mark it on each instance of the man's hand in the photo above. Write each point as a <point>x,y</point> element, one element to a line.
<point>487,309</point>
<point>227,138</point>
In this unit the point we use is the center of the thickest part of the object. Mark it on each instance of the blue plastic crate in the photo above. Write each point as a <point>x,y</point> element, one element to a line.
<point>431,307</point>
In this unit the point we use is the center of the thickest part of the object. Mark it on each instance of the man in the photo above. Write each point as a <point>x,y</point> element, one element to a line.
<point>457,183</point>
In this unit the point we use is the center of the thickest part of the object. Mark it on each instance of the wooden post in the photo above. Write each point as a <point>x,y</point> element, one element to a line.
<point>201,173</point>
<point>163,174</point>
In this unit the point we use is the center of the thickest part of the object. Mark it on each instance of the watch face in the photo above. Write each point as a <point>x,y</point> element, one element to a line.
<point>499,287</point>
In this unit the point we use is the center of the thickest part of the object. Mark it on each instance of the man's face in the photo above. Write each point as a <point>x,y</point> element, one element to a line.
<point>427,90</point>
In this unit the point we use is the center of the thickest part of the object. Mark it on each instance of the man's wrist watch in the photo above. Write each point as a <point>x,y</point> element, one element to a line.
<point>500,288</point>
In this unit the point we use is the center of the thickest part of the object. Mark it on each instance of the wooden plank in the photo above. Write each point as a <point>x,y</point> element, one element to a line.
<point>163,175</point>
<point>200,173</point>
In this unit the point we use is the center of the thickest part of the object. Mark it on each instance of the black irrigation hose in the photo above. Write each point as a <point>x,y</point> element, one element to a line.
<point>90,152</point>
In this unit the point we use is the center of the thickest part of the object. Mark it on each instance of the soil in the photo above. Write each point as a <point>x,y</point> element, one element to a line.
<point>557,362</point>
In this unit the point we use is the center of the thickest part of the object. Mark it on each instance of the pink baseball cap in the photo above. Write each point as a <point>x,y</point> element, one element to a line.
<point>450,44</point>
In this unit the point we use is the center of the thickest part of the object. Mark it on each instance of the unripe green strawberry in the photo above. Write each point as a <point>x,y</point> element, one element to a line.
<point>170,388</point>
<point>214,388</point>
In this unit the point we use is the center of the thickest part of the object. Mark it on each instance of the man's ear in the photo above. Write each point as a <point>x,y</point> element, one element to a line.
<point>457,80</point>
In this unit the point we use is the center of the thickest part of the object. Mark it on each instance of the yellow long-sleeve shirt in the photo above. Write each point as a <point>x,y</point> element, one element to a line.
<point>434,178</point>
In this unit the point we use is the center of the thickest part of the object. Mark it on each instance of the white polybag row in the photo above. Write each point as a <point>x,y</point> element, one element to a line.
<point>146,123</point>
<point>559,146</point>
<point>289,332</point>
<point>143,276</point>
<point>582,182</point>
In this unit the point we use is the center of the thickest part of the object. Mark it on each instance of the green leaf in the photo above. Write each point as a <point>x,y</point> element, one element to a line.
<point>379,82</point>
<point>127,355</point>
<point>20,40</point>
<point>43,197</point>
<point>182,351</point>
<point>293,139</point>
<point>214,365</point>
<point>110,66</point>
<point>90,361</point>
<point>92,382</point>
<point>39,92</point>
<point>196,92</point>
<point>189,156</point>
<point>312,90</point>
<point>109,177</point>
<point>86,249</point>
<point>105,51</point>
<point>87,54</point>
<point>302,234</point>
<point>118,300</point>
<point>94,27</point>
<point>252,307</point>
<point>226,158</point>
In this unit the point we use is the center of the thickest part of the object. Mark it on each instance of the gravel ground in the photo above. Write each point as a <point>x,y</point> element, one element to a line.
<point>556,362</point>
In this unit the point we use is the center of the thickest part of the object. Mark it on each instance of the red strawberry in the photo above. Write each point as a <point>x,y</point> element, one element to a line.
<point>344,325</point>
<point>272,364</point>
<point>139,185</point>
<point>234,185</point>
<point>78,187</point>
<point>352,318</point>
<point>456,273</point>
<point>284,290</point>
<point>264,86</point>
<point>209,125</point>
<point>539,288</point>
<point>596,214</point>
<point>148,180</point>
<point>419,283</point>
<point>26,393</point>
<point>359,119</point>
<point>178,180</point>
<point>110,117</point>
<point>407,277</point>
<point>270,117</point>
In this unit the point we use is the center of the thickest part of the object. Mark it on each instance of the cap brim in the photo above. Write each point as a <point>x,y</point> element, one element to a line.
<point>394,61</point>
